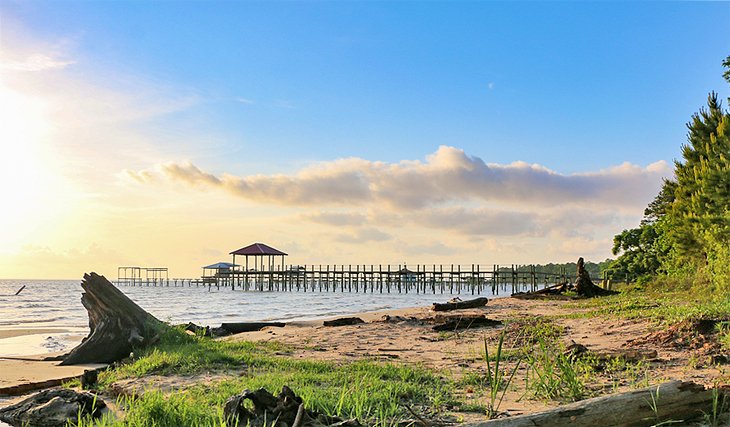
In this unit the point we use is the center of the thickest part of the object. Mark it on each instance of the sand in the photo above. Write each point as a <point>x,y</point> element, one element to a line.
<point>11,333</point>
<point>405,336</point>
<point>22,372</point>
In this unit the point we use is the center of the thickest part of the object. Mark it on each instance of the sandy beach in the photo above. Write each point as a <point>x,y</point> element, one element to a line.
<point>405,336</point>
<point>12,333</point>
<point>21,365</point>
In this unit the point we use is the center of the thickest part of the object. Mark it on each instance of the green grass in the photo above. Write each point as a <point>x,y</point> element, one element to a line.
<point>552,375</point>
<point>662,307</point>
<point>497,380</point>
<point>370,391</point>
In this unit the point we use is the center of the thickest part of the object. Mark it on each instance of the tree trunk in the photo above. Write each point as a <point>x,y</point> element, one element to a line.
<point>675,400</point>
<point>117,324</point>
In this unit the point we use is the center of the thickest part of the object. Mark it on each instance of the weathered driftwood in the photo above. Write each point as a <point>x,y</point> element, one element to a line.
<point>205,331</point>
<point>344,321</point>
<point>236,328</point>
<point>117,324</point>
<point>555,291</point>
<point>52,408</point>
<point>584,286</point>
<point>459,305</point>
<point>675,400</point>
<point>230,328</point>
<point>286,409</point>
<point>465,322</point>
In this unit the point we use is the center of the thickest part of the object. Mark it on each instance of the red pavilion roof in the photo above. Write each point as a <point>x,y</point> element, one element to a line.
<point>258,249</point>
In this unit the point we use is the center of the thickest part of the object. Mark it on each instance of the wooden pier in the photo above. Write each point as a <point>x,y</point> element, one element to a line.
<point>473,279</point>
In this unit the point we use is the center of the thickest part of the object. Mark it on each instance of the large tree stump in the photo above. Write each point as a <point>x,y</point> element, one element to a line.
<point>584,286</point>
<point>117,324</point>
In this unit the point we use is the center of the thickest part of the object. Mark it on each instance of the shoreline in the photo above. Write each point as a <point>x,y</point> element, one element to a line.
<point>405,336</point>
<point>19,332</point>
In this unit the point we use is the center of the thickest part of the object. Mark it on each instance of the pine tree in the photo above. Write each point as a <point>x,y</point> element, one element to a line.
<point>702,182</point>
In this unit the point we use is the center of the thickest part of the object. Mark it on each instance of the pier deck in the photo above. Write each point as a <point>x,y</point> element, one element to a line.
<point>471,279</point>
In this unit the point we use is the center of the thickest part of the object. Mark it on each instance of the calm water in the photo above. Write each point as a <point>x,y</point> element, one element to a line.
<point>57,304</point>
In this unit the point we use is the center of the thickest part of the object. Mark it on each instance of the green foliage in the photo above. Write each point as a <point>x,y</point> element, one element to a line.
<point>640,251</point>
<point>568,268</point>
<point>685,233</point>
<point>554,375</point>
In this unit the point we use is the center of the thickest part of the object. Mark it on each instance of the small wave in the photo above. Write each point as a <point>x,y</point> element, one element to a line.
<point>22,321</point>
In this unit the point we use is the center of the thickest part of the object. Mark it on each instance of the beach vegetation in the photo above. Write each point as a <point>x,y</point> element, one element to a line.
<point>371,391</point>
<point>554,375</point>
<point>498,380</point>
<point>662,306</point>
<point>720,408</point>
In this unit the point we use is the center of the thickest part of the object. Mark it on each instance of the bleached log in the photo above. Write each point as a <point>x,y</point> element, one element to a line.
<point>675,400</point>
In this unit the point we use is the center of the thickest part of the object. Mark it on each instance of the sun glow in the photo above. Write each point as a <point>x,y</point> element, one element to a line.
<point>24,175</point>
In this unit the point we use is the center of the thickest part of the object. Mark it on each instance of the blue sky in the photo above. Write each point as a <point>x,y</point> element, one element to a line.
<point>490,132</point>
<point>570,85</point>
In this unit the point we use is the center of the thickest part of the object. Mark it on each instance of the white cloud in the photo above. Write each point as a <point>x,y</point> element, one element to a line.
<point>35,62</point>
<point>335,218</point>
<point>365,235</point>
<point>447,176</point>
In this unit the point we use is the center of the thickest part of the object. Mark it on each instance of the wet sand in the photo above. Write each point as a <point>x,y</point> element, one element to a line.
<point>12,333</point>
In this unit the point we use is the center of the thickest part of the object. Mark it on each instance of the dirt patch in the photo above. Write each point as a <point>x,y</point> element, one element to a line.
<point>698,336</point>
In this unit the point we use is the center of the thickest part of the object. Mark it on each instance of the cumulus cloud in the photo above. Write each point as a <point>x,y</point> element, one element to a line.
<point>480,221</point>
<point>448,175</point>
<point>364,235</point>
<point>335,218</point>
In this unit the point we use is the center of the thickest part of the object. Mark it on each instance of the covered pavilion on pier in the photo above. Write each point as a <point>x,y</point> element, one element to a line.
<point>264,256</point>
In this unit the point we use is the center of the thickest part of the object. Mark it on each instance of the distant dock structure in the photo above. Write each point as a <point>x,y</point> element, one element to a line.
<point>139,276</point>
<point>264,269</point>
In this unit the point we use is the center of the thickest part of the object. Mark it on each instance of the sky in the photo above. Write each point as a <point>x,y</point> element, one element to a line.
<point>170,133</point>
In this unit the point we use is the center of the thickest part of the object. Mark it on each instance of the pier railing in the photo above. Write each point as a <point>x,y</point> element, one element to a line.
<point>434,278</point>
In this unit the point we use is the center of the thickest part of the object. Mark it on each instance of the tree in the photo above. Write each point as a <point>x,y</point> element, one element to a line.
<point>686,228</point>
<point>699,215</point>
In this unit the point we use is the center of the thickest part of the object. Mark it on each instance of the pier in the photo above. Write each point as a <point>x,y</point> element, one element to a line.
<point>473,279</point>
<point>264,270</point>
